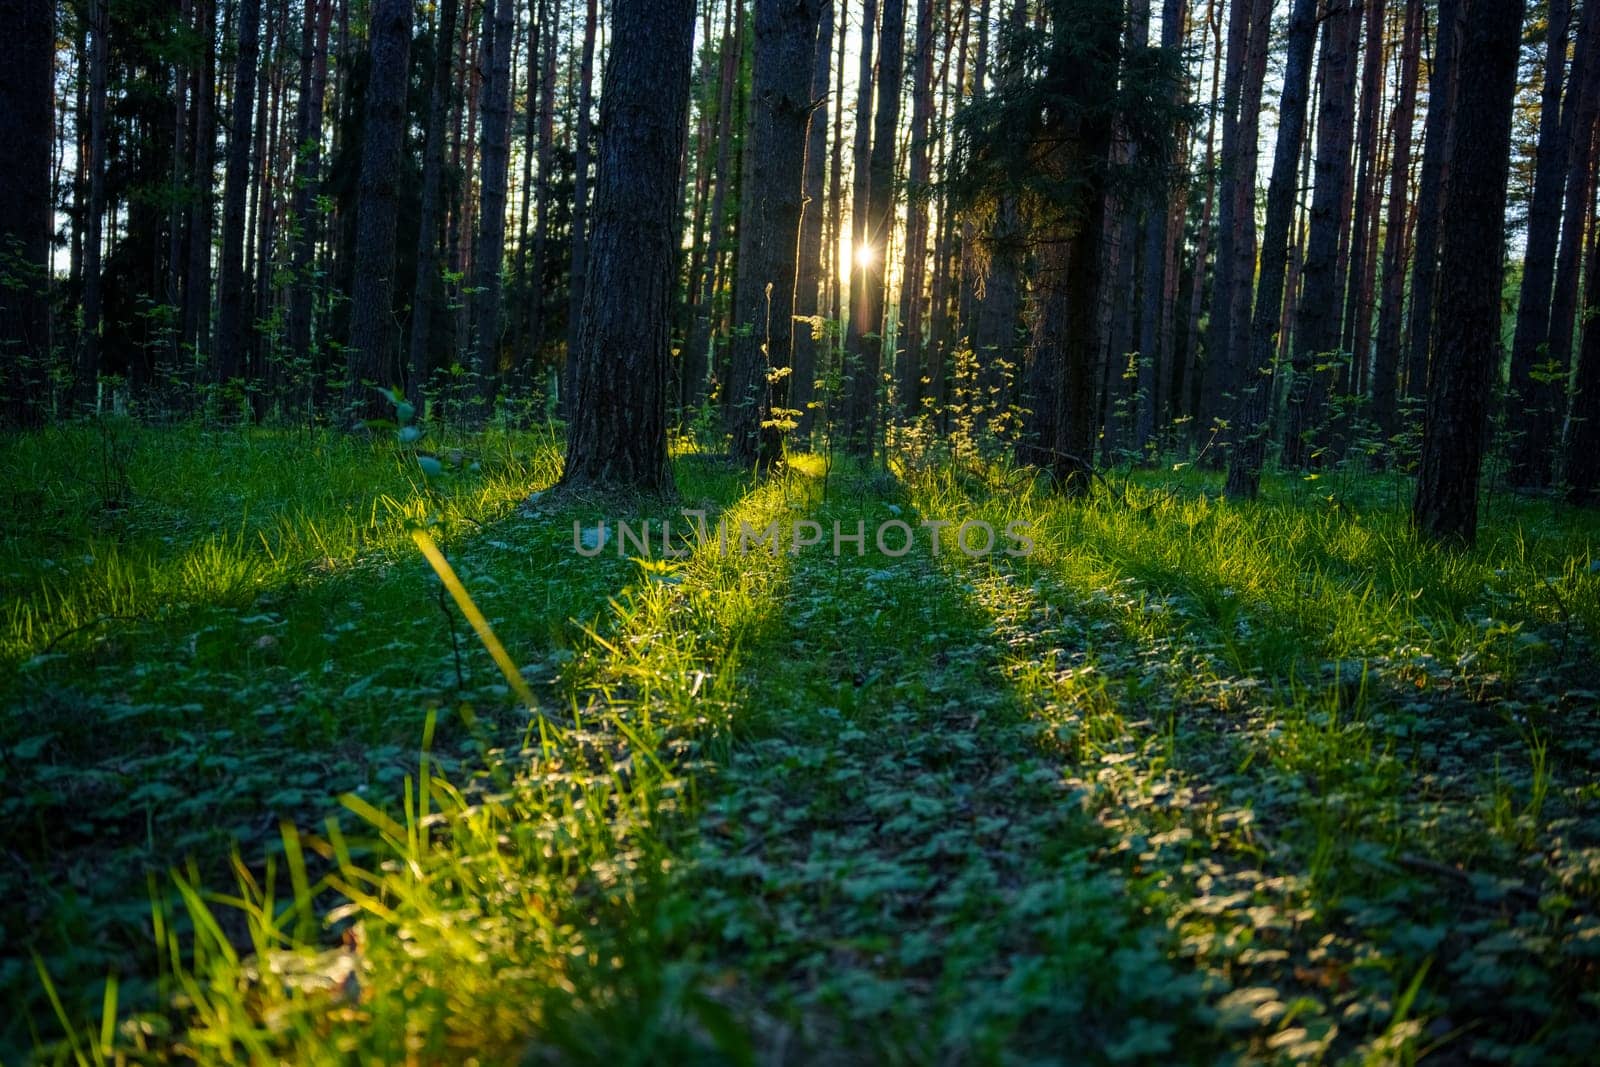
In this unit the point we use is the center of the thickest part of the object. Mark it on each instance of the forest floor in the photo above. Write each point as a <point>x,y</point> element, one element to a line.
<point>1193,782</point>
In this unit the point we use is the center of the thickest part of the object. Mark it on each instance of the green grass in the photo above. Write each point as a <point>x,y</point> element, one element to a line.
<point>1194,782</point>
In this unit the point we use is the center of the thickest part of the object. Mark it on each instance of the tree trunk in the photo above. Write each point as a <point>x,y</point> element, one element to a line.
<point>231,326</point>
<point>1386,358</point>
<point>372,360</point>
<point>495,152</point>
<point>1530,399</point>
<point>1191,402</point>
<point>915,273</point>
<point>197,296</point>
<point>1216,384</point>
<point>617,436</point>
<point>430,259</point>
<point>99,58</point>
<point>1255,395</point>
<point>26,83</point>
<point>549,29</point>
<point>780,109</point>
<point>1317,334</point>
<point>580,179</point>
<point>860,379</point>
<point>1469,307</point>
<point>1358,301</point>
<point>308,124</point>
<point>1154,342</point>
<point>996,293</point>
<point>1436,155</point>
<point>809,284</point>
<point>1075,139</point>
<point>1583,423</point>
<point>697,355</point>
<point>836,181</point>
<point>1584,100</point>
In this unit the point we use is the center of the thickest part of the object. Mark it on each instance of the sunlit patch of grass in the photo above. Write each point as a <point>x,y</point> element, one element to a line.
<point>218,518</point>
<point>508,905</point>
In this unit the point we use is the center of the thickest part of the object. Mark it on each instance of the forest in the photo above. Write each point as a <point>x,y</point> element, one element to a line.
<point>800,531</point>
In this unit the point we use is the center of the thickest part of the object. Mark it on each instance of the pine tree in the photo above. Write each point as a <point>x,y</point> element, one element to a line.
<point>617,435</point>
<point>1467,355</point>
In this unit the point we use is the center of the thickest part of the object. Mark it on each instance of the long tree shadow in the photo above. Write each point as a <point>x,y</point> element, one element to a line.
<point>896,866</point>
<point>1277,820</point>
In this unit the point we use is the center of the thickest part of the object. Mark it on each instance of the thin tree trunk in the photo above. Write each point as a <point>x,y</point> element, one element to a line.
<point>430,261</point>
<point>1386,358</point>
<point>1357,335</point>
<point>549,30</point>
<point>697,362</point>
<point>99,59</point>
<point>1255,397</point>
<point>1533,400</point>
<point>1582,466</point>
<point>1436,154</point>
<point>580,180</point>
<point>231,325</point>
<point>809,284</point>
<point>914,276</point>
<point>780,98</point>
<point>860,378</point>
<point>1317,316</point>
<point>1193,364</point>
<point>490,254</point>
<point>1576,217</point>
<point>874,219</point>
<point>372,359</point>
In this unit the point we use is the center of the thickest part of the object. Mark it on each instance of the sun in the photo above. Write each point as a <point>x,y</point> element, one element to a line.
<point>865,256</point>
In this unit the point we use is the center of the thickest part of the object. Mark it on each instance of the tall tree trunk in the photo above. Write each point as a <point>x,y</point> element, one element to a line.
<point>1529,397</point>
<point>617,435</point>
<point>1255,394</point>
<point>197,295</point>
<point>1438,133</point>
<point>99,58</point>
<point>1216,383</point>
<point>914,276</point>
<point>430,258</point>
<point>1582,467</point>
<point>27,69</point>
<point>372,360</point>
<point>1584,100</point>
<point>231,325</point>
<point>780,107</point>
<point>580,179</point>
<point>996,291</point>
<point>860,378</point>
<point>313,81</point>
<point>549,30</point>
<point>697,358</point>
<point>1386,357</point>
<point>1076,139</point>
<point>495,151</point>
<point>867,317</point>
<point>809,282</point>
<point>1154,348</point>
<point>1358,301</point>
<point>1191,402</point>
<point>1468,353</point>
<point>835,242</point>
<point>1317,334</point>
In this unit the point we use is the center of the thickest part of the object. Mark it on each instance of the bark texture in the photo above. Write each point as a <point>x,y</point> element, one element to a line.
<point>617,434</point>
